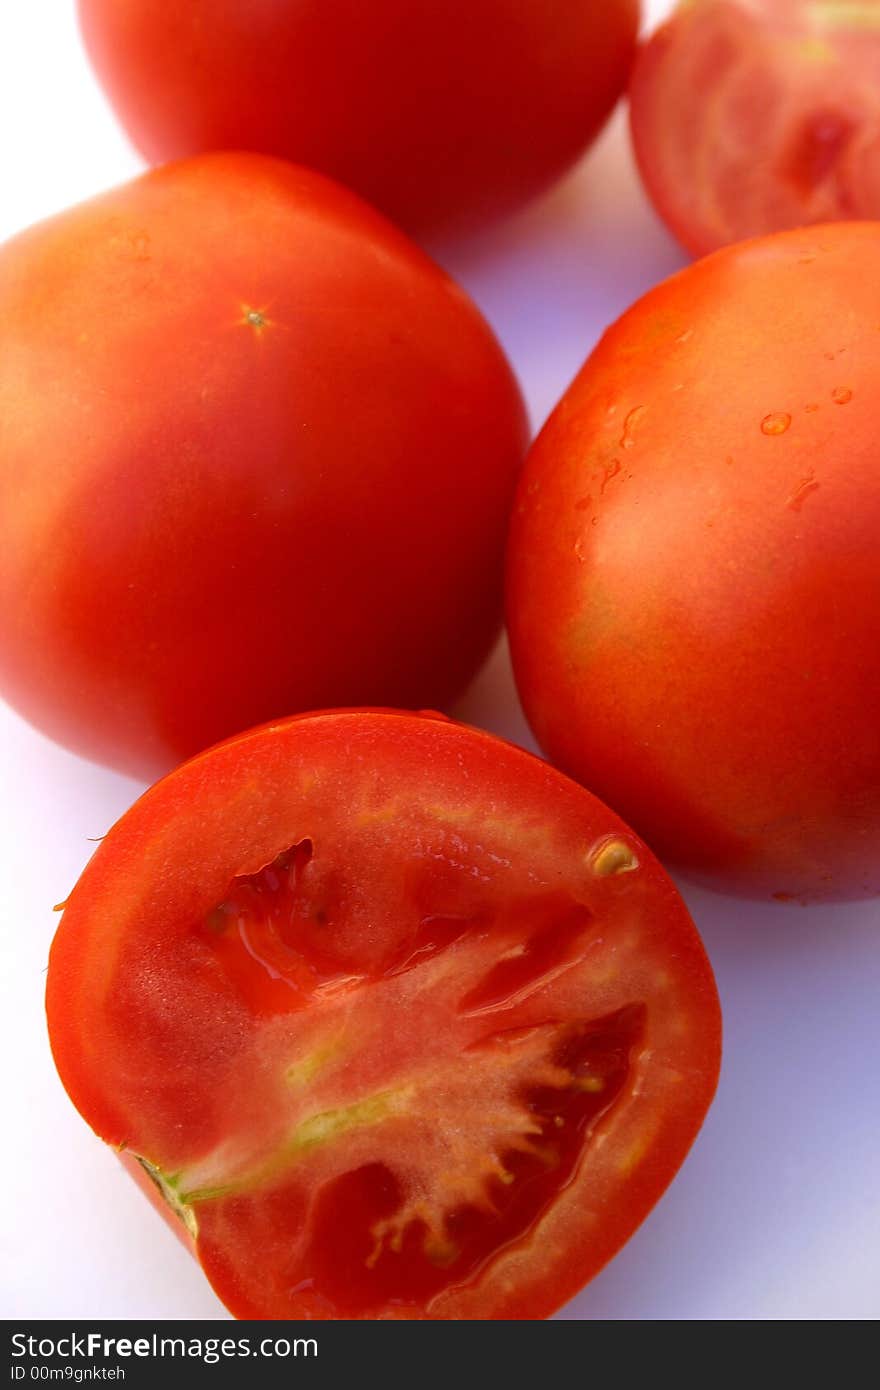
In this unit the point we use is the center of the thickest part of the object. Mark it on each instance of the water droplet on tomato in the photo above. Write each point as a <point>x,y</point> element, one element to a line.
<point>803,490</point>
<point>611,471</point>
<point>627,441</point>
<point>777,423</point>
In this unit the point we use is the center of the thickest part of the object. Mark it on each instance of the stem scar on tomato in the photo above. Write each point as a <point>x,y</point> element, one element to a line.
<point>256,318</point>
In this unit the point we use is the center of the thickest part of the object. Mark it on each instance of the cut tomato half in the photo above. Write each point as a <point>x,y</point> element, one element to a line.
<point>751,116</point>
<point>394,1019</point>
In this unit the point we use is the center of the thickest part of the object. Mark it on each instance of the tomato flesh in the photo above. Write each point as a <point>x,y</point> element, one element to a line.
<point>266,935</point>
<point>389,1068</point>
<point>371,1248</point>
<point>751,116</point>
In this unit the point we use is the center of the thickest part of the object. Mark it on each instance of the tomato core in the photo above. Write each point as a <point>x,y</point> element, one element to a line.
<point>372,1242</point>
<point>364,1256</point>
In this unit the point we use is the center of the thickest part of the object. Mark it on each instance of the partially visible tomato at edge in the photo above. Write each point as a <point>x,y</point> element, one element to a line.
<point>444,113</point>
<point>751,116</point>
<point>694,570</point>
<point>257,454</point>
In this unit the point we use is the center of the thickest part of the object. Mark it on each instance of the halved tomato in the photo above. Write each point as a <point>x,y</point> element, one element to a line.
<point>750,116</point>
<point>399,1022</point>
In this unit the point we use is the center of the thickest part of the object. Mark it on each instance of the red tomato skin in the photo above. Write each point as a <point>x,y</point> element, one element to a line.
<point>753,116</point>
<point>258,454</point>
<point>444,114</point>
<point>693,573</point>
<point>120,887</point>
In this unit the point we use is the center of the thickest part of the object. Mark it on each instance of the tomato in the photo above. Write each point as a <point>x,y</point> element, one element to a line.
<point>694,575</point>
<point>399,1022</point>
<point>751,116</point>
<point>443,113</point>
<point>257,455</point>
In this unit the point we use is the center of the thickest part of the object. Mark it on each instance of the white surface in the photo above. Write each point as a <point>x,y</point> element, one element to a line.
<point>776,1214</point>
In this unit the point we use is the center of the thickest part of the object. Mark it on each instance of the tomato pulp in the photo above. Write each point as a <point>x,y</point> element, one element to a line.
<point>399,1022</point>
<point>751,116</point>
<point>694,576</point>
<point>443,113</point>
<point>257,455</point>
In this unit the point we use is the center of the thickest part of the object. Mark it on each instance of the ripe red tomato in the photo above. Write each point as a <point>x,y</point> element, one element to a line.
<point>257,454</point>
<point>441,112</point>
<point>694,571</point>
<point>750,116</point>
<point>398,1020</point>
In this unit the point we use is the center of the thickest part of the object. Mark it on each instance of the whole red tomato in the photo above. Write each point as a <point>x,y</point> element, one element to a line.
<point>392,1019</point>
<point>441,112</point>
<point>694,570</point>
<point>257,454</point>
<point>750,116</point>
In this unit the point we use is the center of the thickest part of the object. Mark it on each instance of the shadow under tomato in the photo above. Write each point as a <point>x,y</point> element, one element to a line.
<point>570,260</point>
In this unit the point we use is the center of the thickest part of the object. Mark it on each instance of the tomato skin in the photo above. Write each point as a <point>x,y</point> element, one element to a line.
<point>752,116</point>
<point>487,817</point>
<point>443,113</point>
<point>693,574</point>
<point>257,456</point>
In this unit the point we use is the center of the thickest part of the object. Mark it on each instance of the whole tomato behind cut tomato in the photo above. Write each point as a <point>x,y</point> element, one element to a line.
<point>393,1019</point>
<point>257,454</point>
<point>442,112</point>
<point>752,116</point>
<point>694,574</point>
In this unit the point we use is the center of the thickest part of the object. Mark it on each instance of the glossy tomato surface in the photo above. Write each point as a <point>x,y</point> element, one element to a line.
<point>257,454</point>
<point>694,574</point>
<point>751,116</point>
<point>399,1021</point>
<point>441,112</point>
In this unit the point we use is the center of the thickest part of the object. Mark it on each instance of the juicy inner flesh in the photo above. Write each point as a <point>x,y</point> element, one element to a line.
<point>402,1126</point>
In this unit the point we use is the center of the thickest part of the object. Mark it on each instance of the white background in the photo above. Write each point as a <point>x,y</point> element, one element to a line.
<point>776,1213</point>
